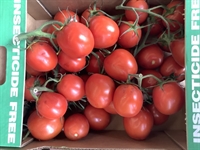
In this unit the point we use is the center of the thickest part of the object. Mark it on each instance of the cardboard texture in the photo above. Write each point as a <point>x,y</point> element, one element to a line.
<point>173,135</point>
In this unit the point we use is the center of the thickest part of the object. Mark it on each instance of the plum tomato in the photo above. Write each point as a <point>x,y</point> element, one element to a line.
<point>42,128</point>
<point>98,118</point>
<point>71,87</point>
<point>150,57</point>
<point>99,90</point>
<point>127,100</point>
<point>119,64</point>
<point>104,30</point>
<point>139,126</point>
<point>41,57</point>
<point>168,98</point>
<point>110,108</point>
<point>76,127</point>
<point>64,15</point>
<point>51,105</point>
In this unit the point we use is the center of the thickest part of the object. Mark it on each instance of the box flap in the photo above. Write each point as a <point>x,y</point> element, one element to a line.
<point>13,22</point>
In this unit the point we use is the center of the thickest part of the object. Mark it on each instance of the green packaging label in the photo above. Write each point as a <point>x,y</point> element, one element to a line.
<point>13,22</point>
<point>192,39</point>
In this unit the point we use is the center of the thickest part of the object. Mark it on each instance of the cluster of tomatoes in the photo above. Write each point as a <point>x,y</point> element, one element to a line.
<point>83,69</point>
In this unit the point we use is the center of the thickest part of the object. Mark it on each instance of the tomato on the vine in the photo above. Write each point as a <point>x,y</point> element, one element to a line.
<point>64,15</point>
<point>128,100</point>
<point>168,98</point>
<point>110,108</point>
<point>42,128</point>
<point>98,118</point>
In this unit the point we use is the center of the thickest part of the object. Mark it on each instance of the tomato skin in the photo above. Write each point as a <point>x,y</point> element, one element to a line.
<point>99,90</point>
<point>76,40</point>
<point>119,64</point>
<point>30,83</point>
<point>150,57</point>
<point>158,117</point>
<point>170,66</point>
<point>64,15</point>
<point>131,15</point>
<point>41,57</point>
<point>71,64</point>
<point>130,38</point>
<point>76,127</point>
<point>177,48</point>
<point>110,108</point>
<point>95,64</point>
<point>104,30</point>
<point>169,98</point>
<point>127,100</point>
<point>98,118</point>
<point>71,87</point>
<point>52,105</point>
<point>176,16</point>
<point>42,128</point>
<point>139,126</point>
<point>32,72</point>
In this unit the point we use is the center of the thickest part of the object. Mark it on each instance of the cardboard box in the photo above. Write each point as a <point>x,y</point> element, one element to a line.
<point>22,16</point>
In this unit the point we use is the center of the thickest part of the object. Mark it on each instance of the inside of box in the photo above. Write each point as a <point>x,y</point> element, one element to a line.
<point>173,131</point>
<point>2,64</point>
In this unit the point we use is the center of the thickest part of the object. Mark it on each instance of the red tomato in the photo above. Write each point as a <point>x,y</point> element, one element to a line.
<point>71,64</point>
<point>104,30</point>
<point>52,105</point>
<point>30,83</point>
<point>76,127</point>
<point>32,72</point>
<point>71,87</point>
<point>177,48</point>
<point>119,64</point>
<point>132,37</point>
<point>127,100</point>
<point>89,13</point>
<point>99,90</point>
<point>76,40</point>
<point>131,15</point>
<point>110,108</point>
<point>64,15</point>
<point>174,15</point>
<point>42,128</point>
<point>158,117</point>
<point>150,81</point>
<point>150,57</point>
<point>139,126</point>
<point>95,63</point>
<point>41,57</point>
<point>168,98</point>
<point>98,118</point>
<point>170,66</point>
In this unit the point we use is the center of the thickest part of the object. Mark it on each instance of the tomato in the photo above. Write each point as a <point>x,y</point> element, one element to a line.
<point>150,81</point>
<point>32,72</point>
<point>76,127</point>
<point>51,105</point>
<point>150,57</point>
<point>139,126</point>
<point>131,15</point>
<point>104,30</point>
<point>129,36</point>
<point>158,117</point>
<point>41,57</point>
<point>71,64</point>
<point>177,48</point>
<point>95,62</point>
<point>119,64</point>
<point>71,87</point>
<point>110,108</point>
<point>170,66</point>
<point>76,40</point>
<point>64,15</point>
<point>98,118</point>
<point>42,128</point>
<point>174,14</point>
<point>99,90</point>
<point>127,100</point>
<point>168,98</point>
<point>89,13</point>
<point>30,83</point>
